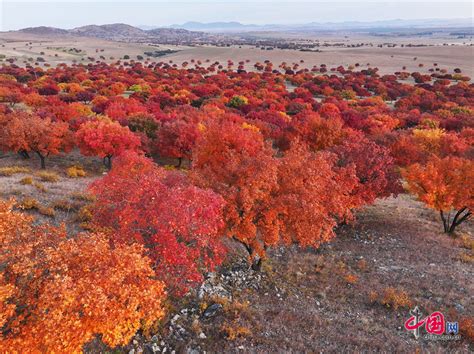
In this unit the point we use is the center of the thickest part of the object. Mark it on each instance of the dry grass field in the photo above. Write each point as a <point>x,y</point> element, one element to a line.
<point>60,49</point>
<point>388,60</point>
<point>458,54</point>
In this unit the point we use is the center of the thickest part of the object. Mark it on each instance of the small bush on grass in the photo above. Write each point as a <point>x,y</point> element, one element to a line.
<point>392,298</point>
<point>83,197</point>
<point>84,214</point>
<point>65,205</point>
<point>26,181</point>
<point>48,176</point>
<point>29,204</point>
<point>47,211</point>
<point>75,172</point>
<point>11,170</point>
<point>40,187</point>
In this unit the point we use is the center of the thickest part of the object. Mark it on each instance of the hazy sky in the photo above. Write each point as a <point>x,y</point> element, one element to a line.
<point>68,14</point>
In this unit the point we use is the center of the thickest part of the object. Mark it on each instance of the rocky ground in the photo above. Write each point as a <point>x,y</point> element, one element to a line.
<point>353,294</point>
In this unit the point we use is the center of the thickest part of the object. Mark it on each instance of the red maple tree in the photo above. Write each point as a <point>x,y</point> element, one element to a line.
<point>106,139</point>
<point>178,223</point>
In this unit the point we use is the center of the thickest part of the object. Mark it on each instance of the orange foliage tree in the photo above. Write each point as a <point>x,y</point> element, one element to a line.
<point>314,195</point>
<point>295,199</point>
<point>236,163</point>
<point>446,185</point>
<point>58,292</point>
<point>24,133</point>
<point>317,132</point>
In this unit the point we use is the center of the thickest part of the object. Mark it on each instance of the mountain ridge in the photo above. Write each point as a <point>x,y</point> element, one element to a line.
<point>394,23</point>
<point>115,31</point>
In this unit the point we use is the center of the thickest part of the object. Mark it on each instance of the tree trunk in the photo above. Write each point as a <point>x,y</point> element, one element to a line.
<point>24,154</point>
<point>450,226</point>
<point>42,158</point>
<point>256,263</point>
<point>107,161</point>
<point>445,222</point>
<point>180,161</point>
<point>459,218</point>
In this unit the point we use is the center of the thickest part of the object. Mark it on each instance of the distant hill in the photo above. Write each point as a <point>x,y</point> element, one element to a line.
<point>217,26</point>
<point>120,32</point>
<point>176,34</point>
<point>112,31</point>
<point>197,32</point>
<point>199,26</point>
<point>45,31</point>
<point>349,25</point>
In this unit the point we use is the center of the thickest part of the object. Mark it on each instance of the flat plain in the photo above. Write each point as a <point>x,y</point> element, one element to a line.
<point>447,52</point>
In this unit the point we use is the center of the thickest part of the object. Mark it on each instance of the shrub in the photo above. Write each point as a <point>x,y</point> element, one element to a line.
<point>238,101</point>
<point>40,187</point>
<point>83,197</point>
<point>46,211</point>
<point>466,327</point>
<point>26,180</point>
<point>232,332</point>
<point>48,176</point>
<point>28,204</point>
<point>362,265</point>
<point>65,205</point>
<point>392,298</point>
<point>467,241</point>
<point>466,257</point>
<point>9,171</point>
<point>75,171</point>
<point>351,278</point>
<point>84,214</point>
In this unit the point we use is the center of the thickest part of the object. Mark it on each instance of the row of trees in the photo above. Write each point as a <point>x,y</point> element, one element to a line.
<point>27,133</point>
